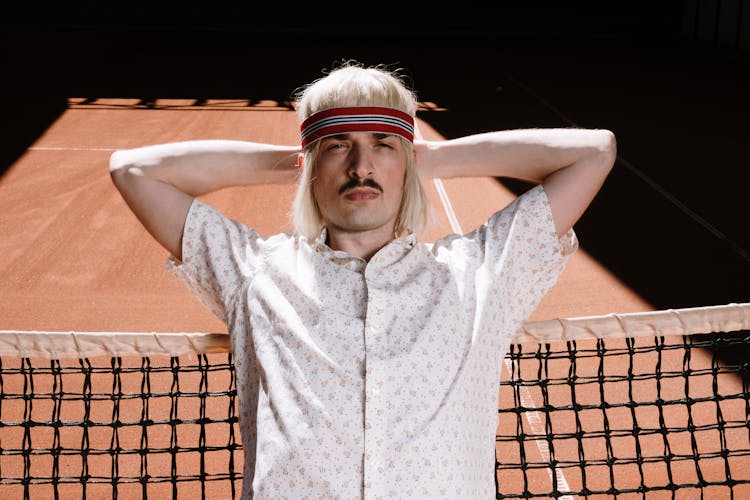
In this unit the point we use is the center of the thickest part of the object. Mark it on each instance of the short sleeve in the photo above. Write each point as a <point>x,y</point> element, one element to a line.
<point>218,255</point>
<point>523,256</point>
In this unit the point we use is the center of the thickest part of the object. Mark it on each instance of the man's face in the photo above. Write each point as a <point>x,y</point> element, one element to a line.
<point>359,181</point>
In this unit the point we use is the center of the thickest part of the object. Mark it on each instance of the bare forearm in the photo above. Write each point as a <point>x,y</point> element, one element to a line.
<point>529,154</point>
<point>199,167</point>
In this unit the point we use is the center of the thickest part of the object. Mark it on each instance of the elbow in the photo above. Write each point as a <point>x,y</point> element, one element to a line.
<point>607,147</point>
<point>610,142</point>
<point>117,168</point>
<point>118,161</point>
<point>121,168</point>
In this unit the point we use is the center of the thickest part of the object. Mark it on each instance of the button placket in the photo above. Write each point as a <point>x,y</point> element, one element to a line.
<point>374,423</point>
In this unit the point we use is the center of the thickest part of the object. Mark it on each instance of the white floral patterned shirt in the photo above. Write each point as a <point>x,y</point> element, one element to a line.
<point>372,379</point>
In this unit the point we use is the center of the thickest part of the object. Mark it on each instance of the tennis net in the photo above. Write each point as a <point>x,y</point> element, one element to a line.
<point>603,406</point>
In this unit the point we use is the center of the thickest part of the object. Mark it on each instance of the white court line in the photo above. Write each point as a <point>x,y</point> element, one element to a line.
<point>527,401</point>
<point>447,206</point>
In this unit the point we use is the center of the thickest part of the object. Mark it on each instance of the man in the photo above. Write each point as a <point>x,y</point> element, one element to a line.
<point>367,361</point>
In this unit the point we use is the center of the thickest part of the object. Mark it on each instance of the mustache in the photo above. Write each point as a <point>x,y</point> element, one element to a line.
<point>355,183</point>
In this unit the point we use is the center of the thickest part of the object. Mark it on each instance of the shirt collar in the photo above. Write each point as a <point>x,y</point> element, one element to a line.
<point>391,252</point>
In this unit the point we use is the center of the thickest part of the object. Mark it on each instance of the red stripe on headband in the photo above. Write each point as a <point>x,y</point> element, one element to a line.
<point>356,119</point>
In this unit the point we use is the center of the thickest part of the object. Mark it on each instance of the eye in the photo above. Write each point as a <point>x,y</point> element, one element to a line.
<point>388,142</point>
<point>334,146</point>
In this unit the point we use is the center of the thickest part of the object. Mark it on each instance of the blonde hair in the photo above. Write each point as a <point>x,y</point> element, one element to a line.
<point>352,84</point>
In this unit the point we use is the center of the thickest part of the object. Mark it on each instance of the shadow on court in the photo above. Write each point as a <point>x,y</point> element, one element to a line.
<point>23,120</point>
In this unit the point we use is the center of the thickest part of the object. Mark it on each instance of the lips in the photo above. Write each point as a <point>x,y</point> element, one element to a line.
<point>361,194</point>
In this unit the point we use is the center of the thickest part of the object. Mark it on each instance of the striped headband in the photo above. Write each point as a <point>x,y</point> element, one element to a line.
<point>356,119</point>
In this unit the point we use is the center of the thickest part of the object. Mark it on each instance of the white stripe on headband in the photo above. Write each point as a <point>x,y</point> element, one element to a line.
<point>356,119</point>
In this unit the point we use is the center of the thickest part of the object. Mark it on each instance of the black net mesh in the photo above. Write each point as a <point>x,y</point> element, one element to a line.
<point>127,427</point>
<point>612,417</point>
<point>602,418</point>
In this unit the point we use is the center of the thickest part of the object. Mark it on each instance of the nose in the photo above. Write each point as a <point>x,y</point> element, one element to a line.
<point>360,164</point>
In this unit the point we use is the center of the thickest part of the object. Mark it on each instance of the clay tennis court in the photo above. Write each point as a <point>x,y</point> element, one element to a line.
<point>79,261</point>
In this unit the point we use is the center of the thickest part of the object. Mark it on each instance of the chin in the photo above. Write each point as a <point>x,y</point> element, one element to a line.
<point>361,225</point>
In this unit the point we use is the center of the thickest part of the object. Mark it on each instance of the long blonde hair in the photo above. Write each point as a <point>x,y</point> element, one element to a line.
<point>352,84</point>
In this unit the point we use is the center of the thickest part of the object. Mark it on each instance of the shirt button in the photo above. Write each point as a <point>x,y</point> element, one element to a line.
<point>368,425</point>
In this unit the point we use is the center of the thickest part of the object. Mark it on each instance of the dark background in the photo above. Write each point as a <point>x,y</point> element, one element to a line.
<point>670,79</point>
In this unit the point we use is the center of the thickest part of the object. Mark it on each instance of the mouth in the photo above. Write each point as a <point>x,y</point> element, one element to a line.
<point>361,194</point>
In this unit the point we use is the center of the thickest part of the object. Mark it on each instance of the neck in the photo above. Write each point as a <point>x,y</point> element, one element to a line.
<point>362,244</point>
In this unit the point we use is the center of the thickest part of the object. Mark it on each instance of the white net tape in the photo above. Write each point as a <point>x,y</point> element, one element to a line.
<point>669,322</point>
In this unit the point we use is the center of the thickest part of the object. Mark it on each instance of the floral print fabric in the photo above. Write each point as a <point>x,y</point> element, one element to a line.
<point>372,379</point>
